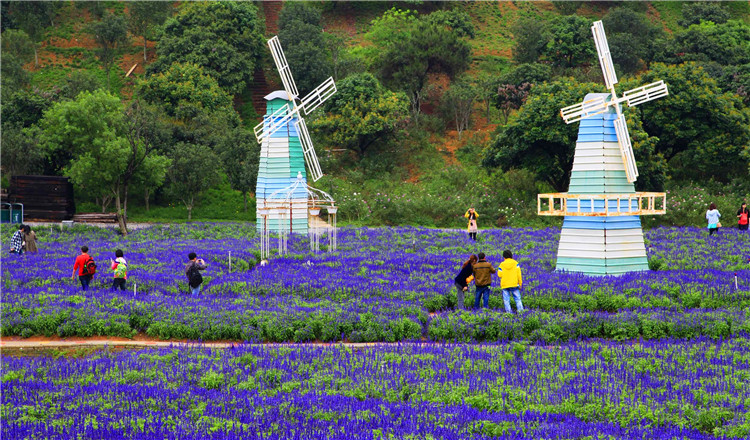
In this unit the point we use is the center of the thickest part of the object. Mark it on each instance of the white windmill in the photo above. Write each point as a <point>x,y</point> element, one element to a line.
<point>286,145</point>
<point>602,232</point>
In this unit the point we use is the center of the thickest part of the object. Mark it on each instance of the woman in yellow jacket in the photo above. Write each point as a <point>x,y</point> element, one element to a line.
<point>510,281</point>
<point>472,215</point>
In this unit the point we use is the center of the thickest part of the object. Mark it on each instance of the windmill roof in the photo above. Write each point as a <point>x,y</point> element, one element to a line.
<point>278,94</point>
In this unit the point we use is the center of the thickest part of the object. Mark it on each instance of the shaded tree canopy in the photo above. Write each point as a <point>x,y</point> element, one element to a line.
<point>224,38</point>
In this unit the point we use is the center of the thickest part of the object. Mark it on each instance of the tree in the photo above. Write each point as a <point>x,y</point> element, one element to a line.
<point>534,73</point>
<point>301,36</point>
<point>17,49</point>
<point>192,172</point>
<point>567,7</point>
<point>456,20</point>
<point>110,32</point>
<point>241,154</point>
<point>486,88</point>
<point>427,48</point>
<point>458,101</point>
<point>538,139</point>
<point>223,38</point>
<point>20,153</point>
<point>144,15</point>
<point>570,42</point>
<point>726,44</point>
<point>511,97</point>
<point>631,37</point>
<point>361,114</point>
<point>701,130</point>
<point>32,18</point>
<point>530,38</point>
<point>79,81</point>
<point>695,12</point>
<point>108,145</point>
<point>185,90</point>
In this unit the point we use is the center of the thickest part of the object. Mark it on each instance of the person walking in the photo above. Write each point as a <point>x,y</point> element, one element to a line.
<point>30,237</point>
<point>85,267</point>
<point>742,217</point>
<point>482,271</point>
<point>461,280</point>
<point>192,271</point>
<point>120,268</point>
<point>510,281</point>
<point>712,216</point>
<point>472,215</point>
<point>17,242</point>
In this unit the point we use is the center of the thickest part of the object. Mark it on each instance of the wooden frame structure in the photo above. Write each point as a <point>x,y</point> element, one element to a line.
<point>639,203</point>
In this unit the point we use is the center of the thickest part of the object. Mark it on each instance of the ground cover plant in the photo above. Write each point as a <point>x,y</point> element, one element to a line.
<point>669,389</point>
<point>382,285</point>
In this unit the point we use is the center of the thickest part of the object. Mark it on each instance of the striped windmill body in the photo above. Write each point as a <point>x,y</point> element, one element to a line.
<point>600,244</point>
<point>602,232</point>
<point>286,148</point>
<point>281,160</point>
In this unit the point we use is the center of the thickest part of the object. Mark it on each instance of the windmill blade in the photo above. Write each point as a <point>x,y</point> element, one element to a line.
<point>318,96</point>
<point>576,112</point>
<point>273,122</point>
<point>308,151</point>
<point>283,67</point>
<point>646,93</point>
<point>626,148</point>
<point>605,58</point>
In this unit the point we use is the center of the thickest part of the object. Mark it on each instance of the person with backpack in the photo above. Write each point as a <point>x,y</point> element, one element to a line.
<point>483,280</point>
<point>120,268</point>
<point>192,270</point>
<point>742,217</point>
<point>510,281</point>
<point>85,266</point>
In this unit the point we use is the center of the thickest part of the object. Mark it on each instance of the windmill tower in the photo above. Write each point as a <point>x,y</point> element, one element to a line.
<point>286,147</point>
<point>602,232</point>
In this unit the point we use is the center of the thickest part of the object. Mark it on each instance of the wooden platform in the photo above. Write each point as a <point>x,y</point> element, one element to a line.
<point>94,217</point>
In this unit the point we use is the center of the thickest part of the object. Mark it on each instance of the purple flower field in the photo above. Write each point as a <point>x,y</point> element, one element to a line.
<point>382,285</point>
<point>696,390</point>
<point>663,354</point>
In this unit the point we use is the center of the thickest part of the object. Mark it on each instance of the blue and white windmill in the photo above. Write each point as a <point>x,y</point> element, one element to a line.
<point>286,147</point>
<point>602,232</point>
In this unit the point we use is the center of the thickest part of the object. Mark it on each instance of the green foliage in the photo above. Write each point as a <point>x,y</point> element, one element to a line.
<point>532,73</point>
<point>79,81</point>
<point>570,43</point>
<point>361,115</point>
<point>537,138</point>
<point>726,44</point>
<point>696,12</point>
<point>457,104</point>
<point>194,170</point>
<point>144,15</point>
<point>410,49</point>
<point>224,38</point>
<point>713,126</point>
<point>20,153</point>
<point>110,33</point>
<point>301,36</point>
<point>530,36</point>
<point>631,37</point>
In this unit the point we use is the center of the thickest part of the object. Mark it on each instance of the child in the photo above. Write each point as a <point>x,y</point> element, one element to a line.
<point>510,281</point>
<point>120,267</point>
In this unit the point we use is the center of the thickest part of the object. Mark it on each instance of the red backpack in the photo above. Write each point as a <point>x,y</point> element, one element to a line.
<point>89,267</point>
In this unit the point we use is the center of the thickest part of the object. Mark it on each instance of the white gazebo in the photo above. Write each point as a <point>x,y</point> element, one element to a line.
<point>283,204</point>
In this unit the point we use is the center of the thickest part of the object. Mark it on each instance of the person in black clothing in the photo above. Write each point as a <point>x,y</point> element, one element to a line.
<point>460,280</point>
<point>743,217</point>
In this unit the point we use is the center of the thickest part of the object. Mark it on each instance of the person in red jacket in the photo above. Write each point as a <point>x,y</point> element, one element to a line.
<point>79,266</point>
<point>742,217</point>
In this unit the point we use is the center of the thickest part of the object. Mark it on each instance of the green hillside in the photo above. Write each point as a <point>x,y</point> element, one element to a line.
<point>440,105</point>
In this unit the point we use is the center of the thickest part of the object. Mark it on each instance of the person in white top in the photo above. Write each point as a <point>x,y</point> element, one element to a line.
<point>712,216</point>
